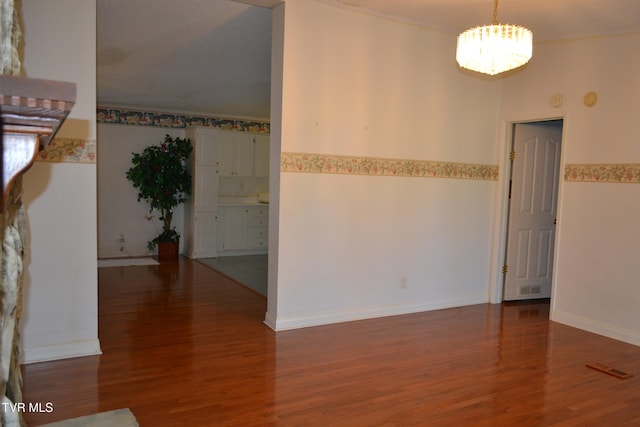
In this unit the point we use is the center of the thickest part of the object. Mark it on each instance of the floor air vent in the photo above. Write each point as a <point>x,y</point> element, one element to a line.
<point>609,370</point>
<point>530,290</point>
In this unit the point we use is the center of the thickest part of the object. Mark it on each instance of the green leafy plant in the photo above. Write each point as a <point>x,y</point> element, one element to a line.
<point>160,175</point>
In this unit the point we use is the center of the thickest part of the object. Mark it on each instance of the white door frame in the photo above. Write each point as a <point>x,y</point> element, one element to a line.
<point>501,211</point>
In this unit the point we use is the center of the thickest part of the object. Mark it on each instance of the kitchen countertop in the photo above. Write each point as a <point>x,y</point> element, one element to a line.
<point>243,201</point>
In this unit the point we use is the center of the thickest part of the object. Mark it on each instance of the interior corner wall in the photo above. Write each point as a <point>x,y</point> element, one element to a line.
<point>275,148</point>
<point>358,244</point>
<point>60,312</point>
<point>597,272</point>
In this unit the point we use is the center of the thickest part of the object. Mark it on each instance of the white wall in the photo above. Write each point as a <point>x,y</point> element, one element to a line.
<point>60,316</point>
<point>275,148</point>
<point>597,271</point>
<point>360,85</point>
<point>119,211</point>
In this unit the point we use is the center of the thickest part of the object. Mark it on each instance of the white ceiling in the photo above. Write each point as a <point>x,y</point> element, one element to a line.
<point>212,57</point>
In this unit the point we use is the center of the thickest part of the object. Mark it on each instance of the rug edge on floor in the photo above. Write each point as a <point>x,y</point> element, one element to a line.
<point>118,417</point>
<point>126,262</point>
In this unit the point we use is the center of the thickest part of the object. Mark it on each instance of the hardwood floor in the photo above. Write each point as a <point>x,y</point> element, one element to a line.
<point>185,346</point>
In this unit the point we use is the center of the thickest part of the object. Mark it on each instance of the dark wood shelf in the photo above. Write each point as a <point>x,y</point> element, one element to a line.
<point>32,112</point>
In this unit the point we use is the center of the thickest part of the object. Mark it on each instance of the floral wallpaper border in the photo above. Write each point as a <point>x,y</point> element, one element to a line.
<point>69,150</point>
<point>610,173</point>
<point>332,164</point>
<point>72,150</point>
<point>171,120</point>
<point>350,165</point>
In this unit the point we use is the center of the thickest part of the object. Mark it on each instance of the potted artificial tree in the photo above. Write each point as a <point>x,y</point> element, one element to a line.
<point>160,174</point>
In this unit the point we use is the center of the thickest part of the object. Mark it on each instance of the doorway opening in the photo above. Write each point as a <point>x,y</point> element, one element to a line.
<point>532,201</point>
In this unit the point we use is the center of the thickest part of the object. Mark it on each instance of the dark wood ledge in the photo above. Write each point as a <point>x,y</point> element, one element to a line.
<point>32,112</point>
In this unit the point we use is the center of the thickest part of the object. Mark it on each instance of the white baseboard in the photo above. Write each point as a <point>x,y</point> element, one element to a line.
<point>60,351</point>
<point>338,316</point>
<point>270,321</point>
<point>600,328</point>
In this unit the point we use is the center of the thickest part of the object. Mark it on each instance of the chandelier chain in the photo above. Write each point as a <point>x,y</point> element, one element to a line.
<point>495,12</point>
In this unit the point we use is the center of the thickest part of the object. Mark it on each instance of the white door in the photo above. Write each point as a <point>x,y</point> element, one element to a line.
<point>532,210</point>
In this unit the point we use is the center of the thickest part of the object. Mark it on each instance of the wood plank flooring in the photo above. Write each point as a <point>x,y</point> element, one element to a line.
<point>186,346</point>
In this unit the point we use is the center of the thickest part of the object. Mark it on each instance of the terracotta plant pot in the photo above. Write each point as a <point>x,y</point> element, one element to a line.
<point>168,251</point>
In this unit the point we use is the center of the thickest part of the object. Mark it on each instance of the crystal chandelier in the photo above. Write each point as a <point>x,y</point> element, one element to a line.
<point>494,49</point>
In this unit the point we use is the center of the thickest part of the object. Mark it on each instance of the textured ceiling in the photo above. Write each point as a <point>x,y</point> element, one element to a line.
<point>200,56</point>
<point>547,19</point>
<point>212,57</point>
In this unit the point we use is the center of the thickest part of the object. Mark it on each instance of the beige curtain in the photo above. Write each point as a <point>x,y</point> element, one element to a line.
<point>13,233</point>
<point>11,36</point>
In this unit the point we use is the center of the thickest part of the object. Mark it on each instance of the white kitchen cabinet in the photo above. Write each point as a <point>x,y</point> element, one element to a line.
<point>204,228</point>
<point>204,141</point>
<point>200,208</point>
<point>242,230</point>
<point>235,154</point>
<point>206,191</point>
<point>242,154</point>
<point>258,228</point>
<point>261,155</point>
<point>232,228</point>
<point>210,229</point>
